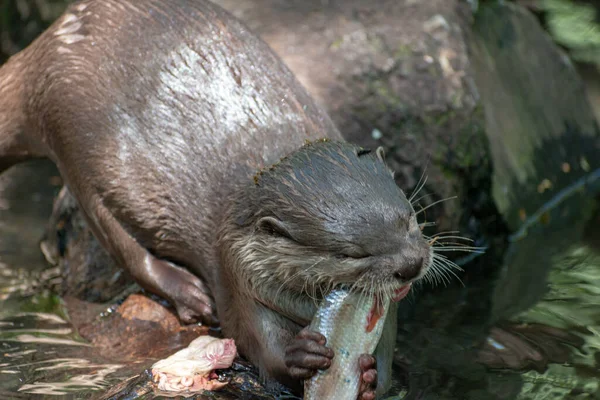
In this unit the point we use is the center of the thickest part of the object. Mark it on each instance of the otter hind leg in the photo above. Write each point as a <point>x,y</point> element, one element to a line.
<point>187,292</point>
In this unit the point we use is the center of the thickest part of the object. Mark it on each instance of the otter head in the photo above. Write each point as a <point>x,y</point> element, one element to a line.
<point>330,214</point>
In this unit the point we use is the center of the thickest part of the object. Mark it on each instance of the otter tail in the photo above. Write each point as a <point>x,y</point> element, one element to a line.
<point>14,147</point>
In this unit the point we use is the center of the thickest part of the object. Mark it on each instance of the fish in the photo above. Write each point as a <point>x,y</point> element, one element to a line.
<point>353,324</point>
<point>192,368</point>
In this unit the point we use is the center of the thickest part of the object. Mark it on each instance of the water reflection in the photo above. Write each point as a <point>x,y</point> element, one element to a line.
<point>41,355</point>
<point>550,286</point>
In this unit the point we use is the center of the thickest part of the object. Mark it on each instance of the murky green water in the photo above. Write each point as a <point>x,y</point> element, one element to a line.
<point>530,332</point>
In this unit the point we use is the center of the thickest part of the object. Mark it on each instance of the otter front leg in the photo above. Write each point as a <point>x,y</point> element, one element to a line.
<point>184,290</point>
<point>307,354</point>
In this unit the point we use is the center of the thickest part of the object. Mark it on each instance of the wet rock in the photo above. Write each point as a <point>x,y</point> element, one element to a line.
<point>538,117</point>
<point>87,272</point>
<point>139,329</point>
<point>141,308</point>
<point>244,383</point>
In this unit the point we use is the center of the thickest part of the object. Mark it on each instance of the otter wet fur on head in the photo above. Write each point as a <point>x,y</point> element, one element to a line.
<point>158,114</point>
<point>330,214</point>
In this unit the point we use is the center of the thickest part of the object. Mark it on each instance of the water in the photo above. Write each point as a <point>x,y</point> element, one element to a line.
<point>41,355</point>
<point>530,330</point>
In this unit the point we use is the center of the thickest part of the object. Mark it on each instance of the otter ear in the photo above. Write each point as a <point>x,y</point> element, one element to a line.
<point>380,154</point>
<point>273,226</point>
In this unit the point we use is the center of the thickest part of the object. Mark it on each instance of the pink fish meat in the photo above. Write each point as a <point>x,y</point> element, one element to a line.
<point>192,369</point>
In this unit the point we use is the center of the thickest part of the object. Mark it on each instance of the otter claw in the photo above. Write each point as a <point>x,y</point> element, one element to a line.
<point>185,291</point>
<point>307,354</point>
<point>188,316</point>
<point>195,307</point>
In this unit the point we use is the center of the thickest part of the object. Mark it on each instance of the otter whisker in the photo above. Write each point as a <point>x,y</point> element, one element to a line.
<point>442,277</point>
<point>434,203</point>
<point>295,275</point>
<point>436,276</point>
<point>432,241</point>
<point>454,237</point>
<point>454,242</point>
<point>420,184</point>
<point>416,201</point>
<point>329,285</point>
<point>433,276</point>
<point>444,232</point>
<point>465,249</point>
<point>446,268</point>
<point>312,294</point>
<point>426,224</point>
<point>363,292</point>
<point>352,287</point>
<point>446,279</point>
<point>443,259</point>
<point>380,292</point>
<point>441,243</point>
<point>390,294</point>
<point>427,277</point>
<point>442,266</point>
<point>448,271</point>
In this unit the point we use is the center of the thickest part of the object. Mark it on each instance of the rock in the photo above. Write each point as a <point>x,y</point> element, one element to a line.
<point>139,329</point>
<point>537,114</point>
<point>391,73</point>
<point>87,272</point>
<point>141,308</point>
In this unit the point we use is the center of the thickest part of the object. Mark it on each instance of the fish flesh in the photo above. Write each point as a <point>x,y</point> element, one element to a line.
<point>353,324</point>
<point>192,369</point>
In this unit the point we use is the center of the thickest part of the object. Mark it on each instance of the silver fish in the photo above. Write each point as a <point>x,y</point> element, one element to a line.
<point>352,324</point>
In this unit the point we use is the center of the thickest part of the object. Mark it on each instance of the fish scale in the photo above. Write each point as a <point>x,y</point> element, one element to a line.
<point>343,318</point>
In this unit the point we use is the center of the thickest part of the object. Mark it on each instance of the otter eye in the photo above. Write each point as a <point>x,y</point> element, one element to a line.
<point>341,256</point>
<point>273,226</point>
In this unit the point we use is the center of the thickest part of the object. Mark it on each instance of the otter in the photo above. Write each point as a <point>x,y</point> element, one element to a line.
<point>209,174</point>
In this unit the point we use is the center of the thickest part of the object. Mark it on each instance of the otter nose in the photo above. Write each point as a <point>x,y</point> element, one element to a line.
<point>409,269</point>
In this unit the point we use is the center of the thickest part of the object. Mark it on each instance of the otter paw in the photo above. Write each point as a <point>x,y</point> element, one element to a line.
<point>306,354</point>
<point>194,305</point>
<point>368,377</point>
<point>184,290</point>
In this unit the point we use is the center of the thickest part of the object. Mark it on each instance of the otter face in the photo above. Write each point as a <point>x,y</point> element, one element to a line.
<point>331,214</point>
